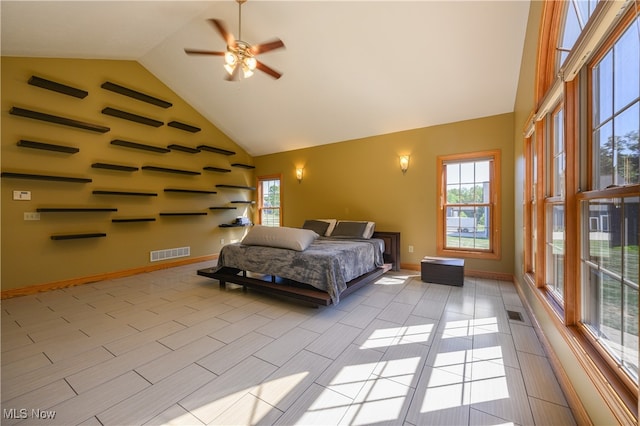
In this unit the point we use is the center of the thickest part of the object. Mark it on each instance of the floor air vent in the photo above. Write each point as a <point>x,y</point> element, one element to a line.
<point>515,315</point>
<point>157,255</point>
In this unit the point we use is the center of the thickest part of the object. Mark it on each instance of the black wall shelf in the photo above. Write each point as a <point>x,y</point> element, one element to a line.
<point>216,169</point>
<point>243,166</point>
<point>75,209</point>
<point>44,177</point>
<point>243,202</point>
<point>133,219</point>
<point>118,167</point>
<point>223,208</point>
<point>189,191</point>
<point>183,214</point>
<point>131,117</point>
<point>215,149</point>
<point>135,94</point>
<point>252,188</point>
<point>142,194</point>
<point>232,225</point>
<point>141,146</point>
<point>176,147</point>
<point>48,146</point>
<point>57,87</point>
<point>183,126</point>
<point>169,170</point>
<point>77,236</point>
<point>58,120</point>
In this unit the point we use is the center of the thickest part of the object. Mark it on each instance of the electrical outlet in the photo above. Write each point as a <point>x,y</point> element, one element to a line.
<point>410,249</point>
<point>221,240</point>
<point>31,216</point>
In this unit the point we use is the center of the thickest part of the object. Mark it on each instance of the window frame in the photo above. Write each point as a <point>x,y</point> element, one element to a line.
<point>259,181</point>
<point>495,205</point>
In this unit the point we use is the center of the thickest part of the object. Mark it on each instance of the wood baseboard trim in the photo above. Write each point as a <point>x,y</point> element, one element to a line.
<point>469,273</point>
<point>39,288</point>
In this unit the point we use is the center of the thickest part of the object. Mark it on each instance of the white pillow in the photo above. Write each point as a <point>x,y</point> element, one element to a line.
<point>332,224</point>
<point>280,237</point>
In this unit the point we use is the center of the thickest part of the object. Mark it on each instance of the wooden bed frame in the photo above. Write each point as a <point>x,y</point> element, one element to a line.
<point>304,292</point>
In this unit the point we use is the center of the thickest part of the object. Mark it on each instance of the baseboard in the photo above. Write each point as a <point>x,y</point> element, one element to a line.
<point>469,273</point>
<point>39,288</point>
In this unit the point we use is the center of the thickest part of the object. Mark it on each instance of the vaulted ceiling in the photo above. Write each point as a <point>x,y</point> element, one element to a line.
<point>351,69</point>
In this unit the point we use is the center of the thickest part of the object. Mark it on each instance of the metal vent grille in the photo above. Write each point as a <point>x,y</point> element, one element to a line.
<point>172,253</point>
<point>515,315</point>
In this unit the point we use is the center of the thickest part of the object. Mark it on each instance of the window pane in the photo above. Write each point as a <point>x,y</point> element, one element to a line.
<point>603,140</point>
<point>603,90</point>
<point>555,249</point>
<point>627,68</point>
<point>627,152</point>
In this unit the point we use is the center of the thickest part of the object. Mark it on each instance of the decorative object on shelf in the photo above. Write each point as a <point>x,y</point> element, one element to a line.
<point>135,94</point>
<point>141,146</point>
<point>223,208</point>
<point>216,169</point>
<point>78,236</point>
<point>299,172</point>
<point>170,170</point>
<point>216,150</point>
<point>404,163</point>
<point>131,117</point>
<point>190,191</point>
<point>118,167</point>
<point>142,194</point>
<point>176,147</point>
<point>133,219</point>
<point>57,87</point>
<point>48,146</point>
<point>75,209</point>
<point>252,188</point>
<point>183,126</point>
<point>183,214</point>
<point>243,166</point>
<point>34,176</point>
<point>36,115</point>
<point>240,55</point>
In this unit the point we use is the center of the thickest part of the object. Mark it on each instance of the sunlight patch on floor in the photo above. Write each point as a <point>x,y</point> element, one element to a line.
<point>398,336</point>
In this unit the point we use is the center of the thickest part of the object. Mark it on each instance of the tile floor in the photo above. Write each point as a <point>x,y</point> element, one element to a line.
<point>169,347</point>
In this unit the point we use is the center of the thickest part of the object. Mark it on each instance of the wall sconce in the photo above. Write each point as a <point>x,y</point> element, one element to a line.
<point>404,163</point>
<point>299,174</point>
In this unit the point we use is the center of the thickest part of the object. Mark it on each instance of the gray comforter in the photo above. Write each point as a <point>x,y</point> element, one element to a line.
<point>327,264</point>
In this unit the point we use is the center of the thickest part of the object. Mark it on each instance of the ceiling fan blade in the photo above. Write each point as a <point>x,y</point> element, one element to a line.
<point>265,47</point>
<point>222,29</point>
<point>264,68</point>
<point>202,52</point>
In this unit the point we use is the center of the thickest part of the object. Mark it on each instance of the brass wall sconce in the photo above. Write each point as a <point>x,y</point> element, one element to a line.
<point>404,163</point>
<point>299,174</point>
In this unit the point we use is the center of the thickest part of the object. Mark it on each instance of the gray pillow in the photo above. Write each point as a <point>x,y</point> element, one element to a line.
<point>350,229</point>
<point>318,226</point>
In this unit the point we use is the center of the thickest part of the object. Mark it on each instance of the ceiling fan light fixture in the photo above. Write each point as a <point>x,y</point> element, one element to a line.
<point>250,62</point>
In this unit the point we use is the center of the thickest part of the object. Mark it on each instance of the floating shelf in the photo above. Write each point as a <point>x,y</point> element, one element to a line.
<point>244,166</point>
<point>44,177</point>
<point>48,146</point>
<point>143,194</point>
<point>231,225</point>
<point>223,208</point>
<point>133,219</point>
<point>57,87</point>
<point>118,167</point>
<point>216,169</point>
<point>183,214</point>
<point>58,120</point>
<point>175,147</point>
<point>75,209</point>
<point>77,236</point>
<point>215,149</point>
<point>243,202</point>
<point>168,170</point>
<point>192,191</point>
<point>131,117</point>
<point>183,126</point>
<point>141,146</point>
<point>135,94</point>
<point>252,188</point>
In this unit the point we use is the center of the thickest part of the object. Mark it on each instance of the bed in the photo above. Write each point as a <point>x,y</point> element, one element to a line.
<point>319,272</point>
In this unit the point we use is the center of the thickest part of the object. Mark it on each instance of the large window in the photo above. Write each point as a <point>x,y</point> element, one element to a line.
<point>468,192</point>
<point>269,201</point>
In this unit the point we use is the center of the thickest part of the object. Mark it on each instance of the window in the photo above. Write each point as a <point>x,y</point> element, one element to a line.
<point>269,201</point>
<point>468,193</point>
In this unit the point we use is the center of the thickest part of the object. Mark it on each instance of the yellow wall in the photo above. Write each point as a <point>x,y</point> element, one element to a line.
<point>29,256</point>
<point>361,180</point>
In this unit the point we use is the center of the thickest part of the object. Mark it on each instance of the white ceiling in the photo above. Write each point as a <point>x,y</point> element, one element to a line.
<point>351,69</point>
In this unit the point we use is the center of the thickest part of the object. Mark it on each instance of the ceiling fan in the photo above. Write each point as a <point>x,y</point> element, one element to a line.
<point>240,55</point>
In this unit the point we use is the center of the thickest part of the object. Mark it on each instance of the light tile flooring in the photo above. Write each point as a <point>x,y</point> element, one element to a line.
<point>169,347</point>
